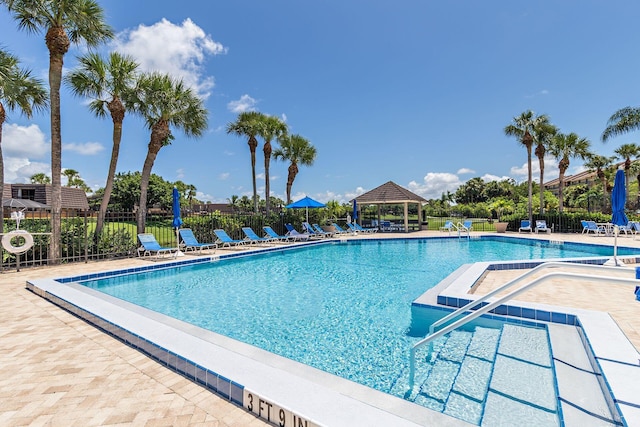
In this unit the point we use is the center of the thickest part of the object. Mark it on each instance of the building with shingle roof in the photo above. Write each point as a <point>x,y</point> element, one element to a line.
<point>72,198</point>
<point>391,193</point>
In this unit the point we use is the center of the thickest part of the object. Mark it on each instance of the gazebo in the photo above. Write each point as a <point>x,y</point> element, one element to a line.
<point>391,193</point>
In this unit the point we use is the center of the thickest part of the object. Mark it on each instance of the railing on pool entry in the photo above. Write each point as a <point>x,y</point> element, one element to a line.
<point>490,306</point>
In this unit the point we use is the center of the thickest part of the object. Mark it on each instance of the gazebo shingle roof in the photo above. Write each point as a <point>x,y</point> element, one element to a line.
<point>389,192</point>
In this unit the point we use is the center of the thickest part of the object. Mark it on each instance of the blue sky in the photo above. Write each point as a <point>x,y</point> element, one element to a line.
<point>417,92</point>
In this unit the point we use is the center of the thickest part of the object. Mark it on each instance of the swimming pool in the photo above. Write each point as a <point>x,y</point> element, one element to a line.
<point>306,304</point>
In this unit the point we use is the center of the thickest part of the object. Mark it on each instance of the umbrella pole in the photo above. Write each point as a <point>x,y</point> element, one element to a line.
<point>616,230</point>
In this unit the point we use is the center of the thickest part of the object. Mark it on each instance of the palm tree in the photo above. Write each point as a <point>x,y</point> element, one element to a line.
<point>18,91</point>
<point>272,127</point>
<point>523,127</point>
<point>622,121</point>
<point>71,175</point>
<point>563,147</point>
<point>249,124</point>
<point>297,150</point>
<point>64,22</point>
<point>626,152</point>
<point>543,132</point>
<point>164,103</point>
<point>40,178</point>
<point>107,83</point>
<point>233,202</point>
<point>600,163</point>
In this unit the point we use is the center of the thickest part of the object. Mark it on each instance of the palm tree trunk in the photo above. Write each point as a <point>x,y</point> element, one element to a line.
<point>540,154</point>
<point>3,116</point>
<point>108,188</point>
<point>293,171</point>
<point>58,44</point>
<point>159,133</point>
<point>530,178</point>
<point>267,186</point>
<point>253,144</point>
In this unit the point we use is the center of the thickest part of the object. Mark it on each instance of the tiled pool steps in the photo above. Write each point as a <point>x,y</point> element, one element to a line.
<point>468,376</point>
<point>485,374</point>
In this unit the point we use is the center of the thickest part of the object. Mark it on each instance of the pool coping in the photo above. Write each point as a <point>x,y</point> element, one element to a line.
<point>192,351</point>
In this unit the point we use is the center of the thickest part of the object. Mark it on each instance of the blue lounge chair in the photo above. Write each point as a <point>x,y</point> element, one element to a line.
<point>592,227</point>
<point>292,232</point>
<point>271,233</point>
<point>525,225</point>
<point>448,226</point>
<point>190,243</point>
<point>252,237</point>
<point>340,230</point>
<point>541,225</point>
<point>312,232</point>
<point>149,246</point>
<point>321,231</point>
<point>225,240</point>
<point>363,229</point>
<point>466,226</point>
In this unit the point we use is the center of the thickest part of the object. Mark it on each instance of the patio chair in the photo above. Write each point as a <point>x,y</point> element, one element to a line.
<point>320,230</point>
<point>541,225</point>
<point>190,243</point>
<point>525,225</point>
<point>448,226</point>
<point>292,232</point>
<point>312,232</point>
<point>252,238</point>
<point>149,246</point>
<point>270,232</point>
<point>592,227</point>
<point>340,230</point>
<point>365,229</point>
<point>225,240</point>
<point>466,226</point>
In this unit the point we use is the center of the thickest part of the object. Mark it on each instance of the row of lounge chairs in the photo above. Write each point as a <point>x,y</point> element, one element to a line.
<point>632,227</point>
<point>149,246</point>
<point>541,225</point>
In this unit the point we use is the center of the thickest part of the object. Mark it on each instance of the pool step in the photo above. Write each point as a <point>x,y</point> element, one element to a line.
<point>470,375</point>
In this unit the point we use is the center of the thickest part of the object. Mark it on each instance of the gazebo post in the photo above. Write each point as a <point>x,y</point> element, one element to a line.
<point>406,217</point>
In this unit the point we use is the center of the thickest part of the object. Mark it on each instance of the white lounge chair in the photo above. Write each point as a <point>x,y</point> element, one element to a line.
<point>541,225</point>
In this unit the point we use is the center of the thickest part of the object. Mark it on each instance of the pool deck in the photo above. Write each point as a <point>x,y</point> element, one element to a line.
<point>56,369</point>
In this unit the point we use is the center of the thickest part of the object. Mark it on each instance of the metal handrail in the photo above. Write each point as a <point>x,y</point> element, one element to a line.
<point>494,304</point>
<point>543,266</point>
<point>461,229</point>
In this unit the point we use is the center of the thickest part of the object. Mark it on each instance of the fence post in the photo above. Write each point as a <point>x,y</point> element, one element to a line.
<point>86,239</point>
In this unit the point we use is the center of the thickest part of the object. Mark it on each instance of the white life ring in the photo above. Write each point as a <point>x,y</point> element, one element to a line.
<point>28,241</point>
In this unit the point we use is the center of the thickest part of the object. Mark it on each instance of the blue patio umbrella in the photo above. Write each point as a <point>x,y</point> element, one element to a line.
<point>306,203</point>
<point>354,216</point>
<point>618,200</point>
<point>177,221</point>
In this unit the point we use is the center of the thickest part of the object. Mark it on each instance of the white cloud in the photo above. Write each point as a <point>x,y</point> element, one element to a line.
<point>178,50</point>
<point>20,169</point>
<point>434,184</point>
<point>245,103</point>
<point>284,117</point>
<point>465,171</point>
<point>86,149</point>
<point>551,170</point>
<point>24,141</point>
<point>224,176</point>
<point>487,177</point>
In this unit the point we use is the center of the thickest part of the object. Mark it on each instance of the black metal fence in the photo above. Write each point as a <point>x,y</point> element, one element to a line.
<point>118,238</point>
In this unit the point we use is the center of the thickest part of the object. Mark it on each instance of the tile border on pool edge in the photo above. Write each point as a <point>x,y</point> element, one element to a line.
<point>242,372</point>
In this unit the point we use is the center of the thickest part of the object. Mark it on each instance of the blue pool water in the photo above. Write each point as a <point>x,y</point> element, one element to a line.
<point>343,308</point>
